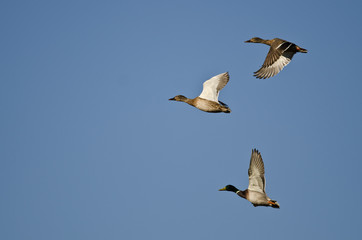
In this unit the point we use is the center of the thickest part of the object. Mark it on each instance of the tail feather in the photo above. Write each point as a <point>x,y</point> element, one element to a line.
<point>302,50</point>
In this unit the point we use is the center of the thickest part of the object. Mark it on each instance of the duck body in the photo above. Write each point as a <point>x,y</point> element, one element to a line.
<point>208,99</point>
<point>280,54</point>
<point>209,106</point>
<point>256,190</point>
<point>255,197</point>
<point>258,198</point>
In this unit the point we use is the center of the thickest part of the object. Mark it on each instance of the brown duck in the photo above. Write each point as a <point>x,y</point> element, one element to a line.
<point>280,54</point>
<point>256,190</point>
<point>208,99</point>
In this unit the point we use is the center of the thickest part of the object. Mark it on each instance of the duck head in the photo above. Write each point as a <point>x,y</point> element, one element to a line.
<point>229,188</point>
<point>179,98</point>
<point>255,40</point>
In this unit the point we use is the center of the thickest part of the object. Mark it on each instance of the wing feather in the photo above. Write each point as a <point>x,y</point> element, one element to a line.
<point>213,86</point>
<point>277,58</point>
<point>256,172</point>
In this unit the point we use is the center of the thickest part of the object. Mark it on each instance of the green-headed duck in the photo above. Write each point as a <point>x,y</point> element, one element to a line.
<point>256,190</point>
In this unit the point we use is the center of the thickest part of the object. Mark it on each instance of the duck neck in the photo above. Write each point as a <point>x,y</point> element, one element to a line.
<point>242,193</point>
<point>189,101</point>
<point>265,41</point>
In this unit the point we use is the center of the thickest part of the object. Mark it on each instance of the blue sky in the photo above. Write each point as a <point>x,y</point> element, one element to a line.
<point>91,148</point>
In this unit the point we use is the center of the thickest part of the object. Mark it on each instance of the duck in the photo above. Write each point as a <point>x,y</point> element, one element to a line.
<point>208,101</point>
<point>256,189</point>
<point>280,54</point>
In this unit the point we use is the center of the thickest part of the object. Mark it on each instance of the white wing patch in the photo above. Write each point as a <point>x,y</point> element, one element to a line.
<point>290,44</point>
<point>275,68</point>
<point>213,86</point>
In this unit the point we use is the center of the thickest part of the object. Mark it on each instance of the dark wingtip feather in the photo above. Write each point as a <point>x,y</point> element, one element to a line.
<point>255,151</point>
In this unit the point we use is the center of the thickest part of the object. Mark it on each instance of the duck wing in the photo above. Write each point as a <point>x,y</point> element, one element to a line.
<point>280,54</point>
<point>213,86</point>
<point>256,172</point>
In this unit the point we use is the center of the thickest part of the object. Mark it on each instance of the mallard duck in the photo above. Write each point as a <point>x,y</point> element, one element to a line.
<point>280,54</point>
<point>256,190</point>
<point>208,99</point>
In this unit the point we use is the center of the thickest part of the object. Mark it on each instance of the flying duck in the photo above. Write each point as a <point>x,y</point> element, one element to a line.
<point>280,54</point>
<point>256,190</point>
<point>208,99</point>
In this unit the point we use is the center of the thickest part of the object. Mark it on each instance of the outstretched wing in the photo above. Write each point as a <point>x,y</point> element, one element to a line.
<point>278,57</point>
<point>213,86</point>
<point>256,172</point>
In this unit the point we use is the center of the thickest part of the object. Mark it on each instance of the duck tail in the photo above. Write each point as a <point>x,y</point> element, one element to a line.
<point>299,49</point>
<point>226,110</point>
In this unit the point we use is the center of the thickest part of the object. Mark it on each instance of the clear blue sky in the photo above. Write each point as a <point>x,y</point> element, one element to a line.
<point>91,148</point>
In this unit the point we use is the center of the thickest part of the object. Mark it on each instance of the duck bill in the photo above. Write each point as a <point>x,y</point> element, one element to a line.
<point>248,41</point>
<point>172,99</point>
<point>222,189</point>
